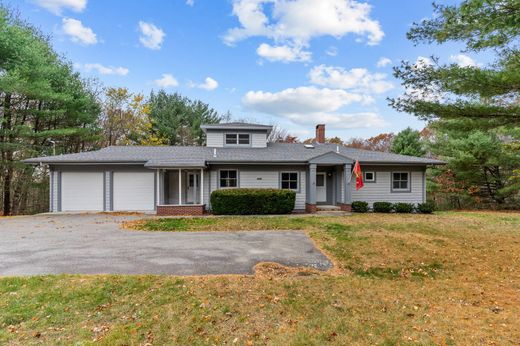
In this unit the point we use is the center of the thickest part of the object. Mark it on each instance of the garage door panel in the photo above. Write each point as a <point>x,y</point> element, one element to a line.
<point>82,191</point>
<point>134,191</point>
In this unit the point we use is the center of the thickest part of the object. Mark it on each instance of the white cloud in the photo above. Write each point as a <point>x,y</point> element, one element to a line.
<point>151,36</point>
<point>356,79</point>
<point>282,53</point>
<point>106,70</point>
<point>78,32</point>
<point>295,23</point>
<point>190,2</point>
<point>332,51</point>
<point>209,84</point>
<point>302,100</point>
<point>382,62</point>
<point>57,6</point>
<point>422,62</point>
<point>310,105</point>
<point>464,60</point>
<point>166,81</point>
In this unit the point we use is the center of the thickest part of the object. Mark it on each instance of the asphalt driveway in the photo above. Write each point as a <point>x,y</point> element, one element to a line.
<point>95,244</point>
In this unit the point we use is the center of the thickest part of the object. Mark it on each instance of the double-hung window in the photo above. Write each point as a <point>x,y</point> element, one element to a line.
<point>289,180</point>
<point>238,139</point>
<point>228,178</point>
<point>400,181</point>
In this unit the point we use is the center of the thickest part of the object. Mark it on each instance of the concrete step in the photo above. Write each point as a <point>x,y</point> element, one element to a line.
<point>333,213</point>
<point>328,208</point>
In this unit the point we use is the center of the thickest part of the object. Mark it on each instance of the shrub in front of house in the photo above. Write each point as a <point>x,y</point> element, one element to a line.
<point>359,206</point>
<point>382,207</point>
<point>252,201</point>
<point>425,208</point>
<point>403,207</point>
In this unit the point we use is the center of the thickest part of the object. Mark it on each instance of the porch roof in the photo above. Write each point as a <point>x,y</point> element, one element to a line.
<point>176,163</point>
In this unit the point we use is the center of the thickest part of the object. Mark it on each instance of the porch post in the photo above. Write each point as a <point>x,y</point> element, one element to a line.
<point>158,187</point>
<point>337,189</point>
<point>201,186</point>
<point>347,173</point>
<point>180,187</point>
<point>312,184</point>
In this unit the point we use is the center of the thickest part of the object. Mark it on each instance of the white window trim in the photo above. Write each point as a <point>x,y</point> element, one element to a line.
<point>237,136</point>
<point>228,187</point>
<point>297,180</point>
<point>365,177</point>
<point>407,190</point>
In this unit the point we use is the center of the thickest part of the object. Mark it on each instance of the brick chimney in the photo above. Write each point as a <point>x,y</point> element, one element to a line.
<point>320,133</point>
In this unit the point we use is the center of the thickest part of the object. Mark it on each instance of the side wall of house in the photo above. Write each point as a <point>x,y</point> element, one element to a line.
<point>262,177</point>
<point>381,189</point>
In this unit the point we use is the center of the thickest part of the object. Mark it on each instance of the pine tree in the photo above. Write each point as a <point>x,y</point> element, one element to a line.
<point>44,106</point>
<point>473,110</point>
<point>175,119</point>
<point>408,142</point>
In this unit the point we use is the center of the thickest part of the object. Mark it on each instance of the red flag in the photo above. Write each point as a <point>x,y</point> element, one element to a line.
<point>359,175</point>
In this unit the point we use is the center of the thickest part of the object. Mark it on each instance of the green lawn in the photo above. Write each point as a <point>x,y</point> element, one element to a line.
<point>449,278</point>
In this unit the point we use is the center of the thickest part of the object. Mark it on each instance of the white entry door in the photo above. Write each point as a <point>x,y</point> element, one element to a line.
<point>193,191</point>
<point>321,187</point>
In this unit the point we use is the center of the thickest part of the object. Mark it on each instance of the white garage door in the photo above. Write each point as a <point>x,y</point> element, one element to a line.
<point>134,191</point>
<point>82,191</point>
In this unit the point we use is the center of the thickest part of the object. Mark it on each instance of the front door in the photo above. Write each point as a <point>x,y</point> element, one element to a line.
<point>321,187</point>
<point>193,191</point>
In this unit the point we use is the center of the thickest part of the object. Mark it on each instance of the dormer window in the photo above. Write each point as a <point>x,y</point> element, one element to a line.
<point>238,139</point>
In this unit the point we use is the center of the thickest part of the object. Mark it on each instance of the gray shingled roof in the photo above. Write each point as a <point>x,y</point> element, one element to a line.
<point>236,126</point>
<point>169,156</point>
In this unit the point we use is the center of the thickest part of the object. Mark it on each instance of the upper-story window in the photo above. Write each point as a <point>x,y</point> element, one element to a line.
<point>238,139</point>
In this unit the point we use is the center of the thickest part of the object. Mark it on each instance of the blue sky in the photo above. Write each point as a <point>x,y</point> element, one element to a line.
<point>294,63</point>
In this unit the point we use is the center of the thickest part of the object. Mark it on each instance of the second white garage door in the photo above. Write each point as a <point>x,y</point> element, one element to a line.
<point>134,191</point>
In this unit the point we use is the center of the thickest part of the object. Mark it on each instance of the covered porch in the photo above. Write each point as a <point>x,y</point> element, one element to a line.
<point>181,191</point>
<point>329,183</point>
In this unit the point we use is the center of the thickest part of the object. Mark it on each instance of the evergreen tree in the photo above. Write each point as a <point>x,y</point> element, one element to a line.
<point>408,142</point>
<point>44,107</point>
<point>489,95</point>
<point>176,120</point>
<point>473,110</point>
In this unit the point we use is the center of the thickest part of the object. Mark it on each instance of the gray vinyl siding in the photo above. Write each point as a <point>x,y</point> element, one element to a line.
<point>54,191</point>
<point>215,139</point>
<point>263,177</point>
<point>207,188</point>
<point>381,189</point>
<point>107,178</point>
<point>259,140</point>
